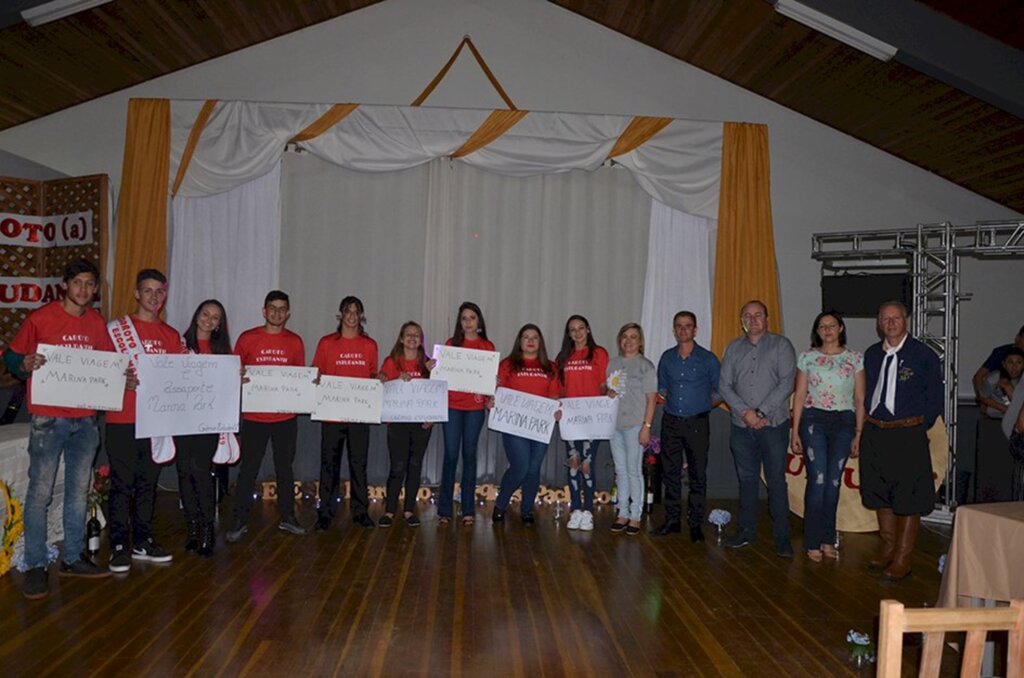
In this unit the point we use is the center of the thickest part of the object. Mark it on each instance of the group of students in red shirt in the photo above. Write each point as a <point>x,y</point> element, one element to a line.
<point>71,433</point>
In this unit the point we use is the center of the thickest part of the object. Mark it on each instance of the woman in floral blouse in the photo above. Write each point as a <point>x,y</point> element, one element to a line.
<point>828,416</point>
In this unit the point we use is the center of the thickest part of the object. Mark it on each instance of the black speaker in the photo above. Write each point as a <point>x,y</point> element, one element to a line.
<point>860,295</point>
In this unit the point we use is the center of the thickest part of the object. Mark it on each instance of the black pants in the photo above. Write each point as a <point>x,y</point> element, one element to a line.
<point>896,470</point>
<point>684,436</point>
<point>407,443</point>
<point>195,480</point>
<point>332,442</point>
<point>255,435</point>
<point>133,476</point>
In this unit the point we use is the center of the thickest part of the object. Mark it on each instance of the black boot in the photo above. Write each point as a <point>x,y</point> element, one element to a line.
<point>192,540</point>
<point>206,540</point>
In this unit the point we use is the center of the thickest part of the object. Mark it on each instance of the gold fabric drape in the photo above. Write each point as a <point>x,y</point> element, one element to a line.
<point>332,117</point>
<point>745,266</point>
<point>640,130</point>
<point>496,124</point>
<point>142,211</point>
<point>193,139</point>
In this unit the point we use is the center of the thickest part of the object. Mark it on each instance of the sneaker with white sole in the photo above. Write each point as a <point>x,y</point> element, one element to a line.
<point>291,527</point>
<point>575,518</point>
<point>151,552</point>
<point>587,521</point>
<point>120,559</point>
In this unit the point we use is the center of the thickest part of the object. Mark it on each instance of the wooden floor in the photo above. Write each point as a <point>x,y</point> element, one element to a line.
<point>448,600</point>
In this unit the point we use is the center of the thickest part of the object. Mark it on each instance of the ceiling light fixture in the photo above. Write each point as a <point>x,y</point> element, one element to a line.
<point>57,9</point>
<point>823,23</point>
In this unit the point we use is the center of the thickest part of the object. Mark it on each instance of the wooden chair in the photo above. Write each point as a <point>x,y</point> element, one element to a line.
<point>935,622</point>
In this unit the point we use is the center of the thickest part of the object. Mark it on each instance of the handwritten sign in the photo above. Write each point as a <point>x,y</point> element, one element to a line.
<point>466,369</point>
<point>588,418</point>
<point>522,414</point>
<point>281,389</point>
<point>77,377</point>
<point>187,394</point>
<point>415,400</point>
<point>348,399</point>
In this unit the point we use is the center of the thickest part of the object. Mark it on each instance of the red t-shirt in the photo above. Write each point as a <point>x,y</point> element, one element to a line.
<point>531,378</point>
<point>583,379</point>
<point>158,337</point>
<point>52,325</point>
<point>459,400</point>
<point>393,371</point>
<point>259,347</point>
<point>337,356</point>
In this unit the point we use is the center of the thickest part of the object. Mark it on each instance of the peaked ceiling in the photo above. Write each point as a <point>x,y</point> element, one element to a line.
<point>891,105</point>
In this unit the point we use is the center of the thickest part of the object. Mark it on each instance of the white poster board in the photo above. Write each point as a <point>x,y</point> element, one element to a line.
<point>279,389</point>
<point>415,400</point>
<point>348,400</point>
<point>187,394</point>
<point>523,414</point>
<point>466,369</point>
<point>588,418</point>
<point>80,378</point>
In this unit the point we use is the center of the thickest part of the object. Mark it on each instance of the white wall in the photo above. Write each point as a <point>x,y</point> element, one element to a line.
<point>550,59</point>
<point>22,168</point>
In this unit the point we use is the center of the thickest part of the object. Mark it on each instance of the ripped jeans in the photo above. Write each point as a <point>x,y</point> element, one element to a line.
<point>581,495</point>
<point>826,436</point>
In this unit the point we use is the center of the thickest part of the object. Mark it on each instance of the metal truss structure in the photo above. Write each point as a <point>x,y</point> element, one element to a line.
<point>931,254</point>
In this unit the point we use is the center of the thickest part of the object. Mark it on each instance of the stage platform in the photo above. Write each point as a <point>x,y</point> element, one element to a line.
<point>486,600</point>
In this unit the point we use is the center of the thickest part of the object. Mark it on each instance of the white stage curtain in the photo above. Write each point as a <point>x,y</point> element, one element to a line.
<point>678,276</point>
<point>226,246</point>
<point>680,166</point>
<point>416,243</point>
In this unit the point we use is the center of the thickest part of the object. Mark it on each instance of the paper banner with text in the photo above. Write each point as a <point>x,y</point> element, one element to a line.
<point>187,394</point>
<point>466,369</point>
<point>29,293</point>
<point>77,377</point>
<point>349,400</point>
<point>280,389</point>
<point>588,418</point>
<point>415,400</point>
<point>61,230</point>
<point>522,414</point>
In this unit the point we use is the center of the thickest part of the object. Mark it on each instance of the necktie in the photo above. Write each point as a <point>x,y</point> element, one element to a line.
<point>884,399</point>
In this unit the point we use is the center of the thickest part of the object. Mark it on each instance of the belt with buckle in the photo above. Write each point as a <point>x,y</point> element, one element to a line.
<point>896,423</point>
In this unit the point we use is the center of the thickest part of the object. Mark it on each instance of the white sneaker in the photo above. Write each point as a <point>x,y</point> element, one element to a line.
<point>586,521</point>
<point>575,518</point>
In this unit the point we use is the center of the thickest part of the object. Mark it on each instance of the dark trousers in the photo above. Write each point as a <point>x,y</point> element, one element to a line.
<point>407,443</point>
<point>896,470</point>
<point>689,437</point>
<point>194,459</point>
<point>255,435</point>
<point>333,437</point>
<point>133,475</point>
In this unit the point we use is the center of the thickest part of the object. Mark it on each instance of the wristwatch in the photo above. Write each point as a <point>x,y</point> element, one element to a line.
<point>760,414</point>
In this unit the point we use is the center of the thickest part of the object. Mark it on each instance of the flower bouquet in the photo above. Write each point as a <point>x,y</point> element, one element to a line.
<point>99,491</point>
<point>862,650</point>
<point>719,518</point>
<point>651,452</point>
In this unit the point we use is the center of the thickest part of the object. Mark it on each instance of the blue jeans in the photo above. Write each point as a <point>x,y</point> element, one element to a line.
<point>826,437</point>
<point>581,495</point>
<point>461,430</point>
<point>750,450</point>
<point>524,459</point>
<point>628,456</point>
<point>78,439</point>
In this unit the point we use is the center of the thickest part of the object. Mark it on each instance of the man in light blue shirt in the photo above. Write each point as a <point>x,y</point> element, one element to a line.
<point>688,384</point>
<point>757,382</point>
